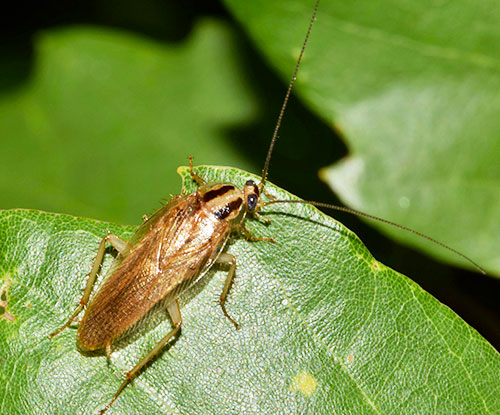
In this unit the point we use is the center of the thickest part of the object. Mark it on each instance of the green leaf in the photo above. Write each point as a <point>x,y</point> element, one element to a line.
<point>106,116</point>
<point>325,328</point>
<point>413,89</point>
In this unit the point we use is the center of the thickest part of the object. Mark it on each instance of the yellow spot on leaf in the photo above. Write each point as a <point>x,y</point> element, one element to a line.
<point>304,383</point>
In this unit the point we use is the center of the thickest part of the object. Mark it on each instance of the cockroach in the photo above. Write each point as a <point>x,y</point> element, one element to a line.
<point>173,249</point>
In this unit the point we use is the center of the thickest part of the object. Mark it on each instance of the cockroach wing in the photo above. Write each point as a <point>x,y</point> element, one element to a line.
<point>169,252</point>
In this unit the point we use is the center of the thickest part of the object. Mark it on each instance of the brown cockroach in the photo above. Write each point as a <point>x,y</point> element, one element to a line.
<point>172,250</point>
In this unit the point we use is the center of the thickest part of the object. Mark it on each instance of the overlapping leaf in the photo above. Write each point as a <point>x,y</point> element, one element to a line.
<point>413,89</point>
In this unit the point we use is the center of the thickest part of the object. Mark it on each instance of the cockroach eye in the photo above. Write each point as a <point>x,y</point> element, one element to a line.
<point>252,201</point>
<point>250,183</point>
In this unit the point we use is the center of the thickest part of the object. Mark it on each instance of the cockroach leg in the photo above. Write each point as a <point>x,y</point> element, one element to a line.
<point>243,231</point>
<point>120,245</point>
<point>257,216</point>
<point>225,258</point>
<point>198,179</point>
<point>175,314</point>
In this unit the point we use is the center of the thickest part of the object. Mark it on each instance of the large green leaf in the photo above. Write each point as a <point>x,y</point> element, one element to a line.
<point>413,88</point>
<point>106,116</point>
<point>325,328</point>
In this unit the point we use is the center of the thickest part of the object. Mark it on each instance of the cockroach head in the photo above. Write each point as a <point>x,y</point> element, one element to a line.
<point>252,193</point>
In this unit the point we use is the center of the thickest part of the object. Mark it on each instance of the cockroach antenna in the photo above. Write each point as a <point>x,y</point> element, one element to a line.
<point>287,97</point>
<point>388,222</point>
<point>326,205</point>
